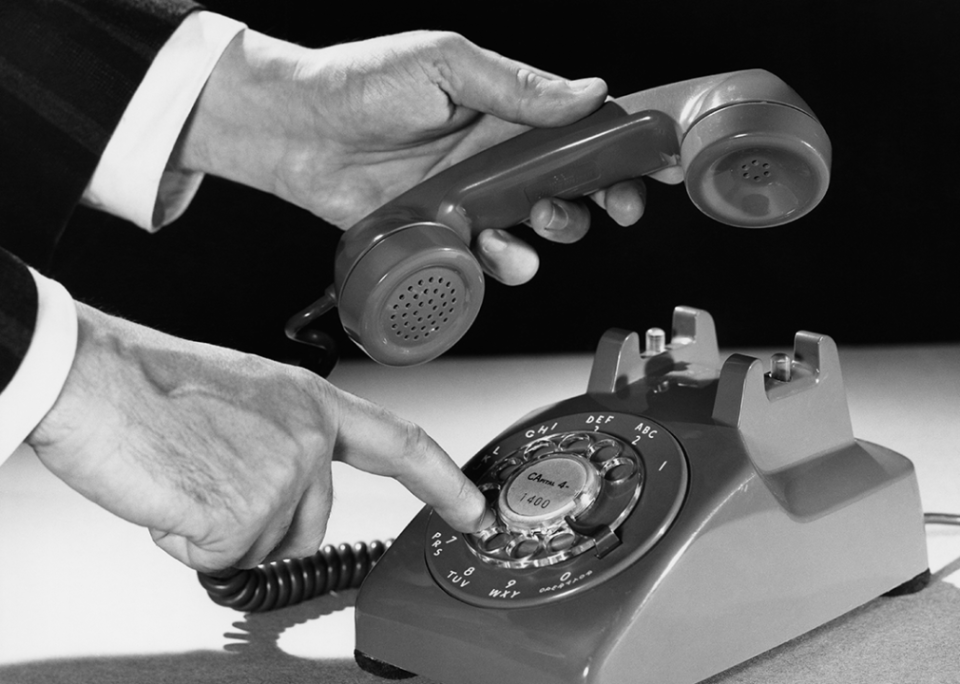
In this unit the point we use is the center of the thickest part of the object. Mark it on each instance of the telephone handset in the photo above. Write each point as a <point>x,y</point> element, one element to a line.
<point>680,517</point>
<point>405,282</point>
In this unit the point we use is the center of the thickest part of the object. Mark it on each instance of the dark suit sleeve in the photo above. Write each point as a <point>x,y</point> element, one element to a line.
<point>68,68</point>
<point>18,314</point>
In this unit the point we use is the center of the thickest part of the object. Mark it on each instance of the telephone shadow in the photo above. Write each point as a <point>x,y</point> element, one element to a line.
<point>251,655</point>
<point>904,639</point>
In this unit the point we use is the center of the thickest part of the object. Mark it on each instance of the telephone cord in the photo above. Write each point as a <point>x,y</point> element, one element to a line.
<point>279,584</point>
<point>941,519</point>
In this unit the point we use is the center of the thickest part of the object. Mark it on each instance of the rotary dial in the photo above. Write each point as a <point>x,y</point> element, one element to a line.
<point>555,495</point>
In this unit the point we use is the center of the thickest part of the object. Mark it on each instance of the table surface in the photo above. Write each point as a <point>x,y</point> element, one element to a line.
<point>85,596</point>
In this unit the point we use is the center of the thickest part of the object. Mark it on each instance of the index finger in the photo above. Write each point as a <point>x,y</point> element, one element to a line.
<point>372,439</point>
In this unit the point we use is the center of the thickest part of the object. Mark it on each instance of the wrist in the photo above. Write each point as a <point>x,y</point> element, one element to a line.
<point>65,419</point>
<point>239,128</point>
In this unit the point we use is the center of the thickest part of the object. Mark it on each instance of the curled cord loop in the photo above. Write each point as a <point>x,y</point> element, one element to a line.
<point>285,583</point>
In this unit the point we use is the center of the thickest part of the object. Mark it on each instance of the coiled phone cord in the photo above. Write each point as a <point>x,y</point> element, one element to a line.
<point>279,584</point>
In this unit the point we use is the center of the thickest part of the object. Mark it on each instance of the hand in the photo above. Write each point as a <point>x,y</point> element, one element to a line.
<point>224,456</point>
<point>342,130</point>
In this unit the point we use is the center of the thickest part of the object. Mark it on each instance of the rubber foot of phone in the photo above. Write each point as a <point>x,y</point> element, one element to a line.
<point>380,668</point>
<point>911,586</point>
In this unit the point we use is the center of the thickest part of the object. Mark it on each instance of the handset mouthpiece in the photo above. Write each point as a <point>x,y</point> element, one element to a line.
<point>752,152</point>
<point>756,164</point>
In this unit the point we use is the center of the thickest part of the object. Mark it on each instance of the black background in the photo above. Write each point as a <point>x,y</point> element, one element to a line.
<point>875,263</point>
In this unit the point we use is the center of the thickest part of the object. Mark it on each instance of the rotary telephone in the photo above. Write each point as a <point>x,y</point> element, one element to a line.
<point>680,517</point>
<point>680,505</point>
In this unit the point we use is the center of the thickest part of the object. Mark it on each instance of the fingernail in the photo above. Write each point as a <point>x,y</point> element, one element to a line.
<point>493,243</point>
<point>558,218</point>
<point>487,520</point>
<point>582,84</point>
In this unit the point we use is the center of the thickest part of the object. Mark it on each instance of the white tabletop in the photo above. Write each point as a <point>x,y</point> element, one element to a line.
<point>77,582</point>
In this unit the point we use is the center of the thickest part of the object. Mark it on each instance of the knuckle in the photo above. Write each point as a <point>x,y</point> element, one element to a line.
<point>413,447</point>
<point>446,40</point>
<point>530,83</point>
<point>322,415</point>
<point>440,50</point>
<point>529,89</point>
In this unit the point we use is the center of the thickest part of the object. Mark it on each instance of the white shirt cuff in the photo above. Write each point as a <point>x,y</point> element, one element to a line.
<point>131,180</point>
<point>37,383</point>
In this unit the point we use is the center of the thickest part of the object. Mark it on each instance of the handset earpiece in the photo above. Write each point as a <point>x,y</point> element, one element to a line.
<point>405,281</point>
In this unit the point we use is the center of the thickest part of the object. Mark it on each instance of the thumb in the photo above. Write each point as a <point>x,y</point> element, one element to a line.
<point>487,82</point>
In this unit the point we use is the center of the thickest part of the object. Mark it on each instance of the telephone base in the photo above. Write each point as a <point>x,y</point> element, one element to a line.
<point>742,512</point>
<point>912,586</point>
<point>379,668</point>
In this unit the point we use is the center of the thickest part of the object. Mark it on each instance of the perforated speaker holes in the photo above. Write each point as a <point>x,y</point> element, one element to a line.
<point>422,305</point>
<point>756,169</point>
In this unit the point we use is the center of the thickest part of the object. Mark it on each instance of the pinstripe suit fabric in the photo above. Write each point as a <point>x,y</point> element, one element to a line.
<point>68,68</point>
